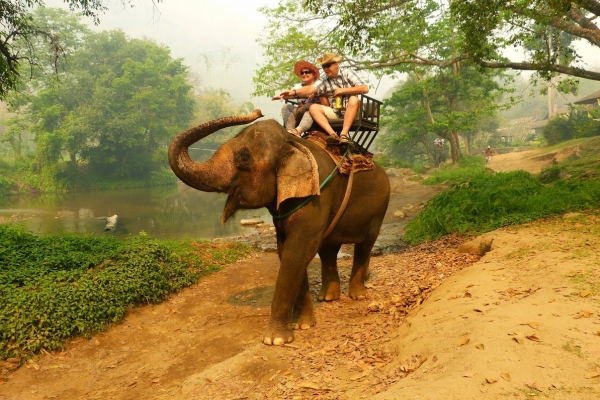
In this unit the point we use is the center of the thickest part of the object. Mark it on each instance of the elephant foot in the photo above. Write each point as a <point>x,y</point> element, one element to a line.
<point>357,292</point>
<point>329,292</point>
<point>304,322</point>
<point>278,337</point>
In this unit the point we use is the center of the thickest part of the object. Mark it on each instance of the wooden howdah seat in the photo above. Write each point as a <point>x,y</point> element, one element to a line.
<point>365,126</point>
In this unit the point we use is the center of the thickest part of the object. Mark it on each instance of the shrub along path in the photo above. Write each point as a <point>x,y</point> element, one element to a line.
<point>521,321</point>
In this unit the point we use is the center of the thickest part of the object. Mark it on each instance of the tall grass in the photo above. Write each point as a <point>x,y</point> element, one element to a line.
<point>490,201</point>
<point>468,167</point>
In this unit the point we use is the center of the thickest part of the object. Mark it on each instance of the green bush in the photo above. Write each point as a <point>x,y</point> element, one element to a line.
<point>487,202</point>
<point>551,174</point>
<point>557,130</point>
<point>5,185</point>
<point>56,287</point>
<point>467,168</point>
<point>577,124</point>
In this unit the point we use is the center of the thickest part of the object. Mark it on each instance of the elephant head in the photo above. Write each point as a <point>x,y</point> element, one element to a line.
<point>261,166</point>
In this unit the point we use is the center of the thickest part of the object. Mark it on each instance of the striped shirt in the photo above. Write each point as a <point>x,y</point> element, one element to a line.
<point>346,78</point>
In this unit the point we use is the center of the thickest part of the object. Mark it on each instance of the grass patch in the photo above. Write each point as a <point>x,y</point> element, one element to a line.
<point>57,287</point>
<point>478,201</point>
<point>467,168</point>
<point>519,253</point>
<point>588,280</point>
<point>574,349</point>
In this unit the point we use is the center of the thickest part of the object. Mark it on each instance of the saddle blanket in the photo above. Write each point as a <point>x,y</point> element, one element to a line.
<point>354,160</point>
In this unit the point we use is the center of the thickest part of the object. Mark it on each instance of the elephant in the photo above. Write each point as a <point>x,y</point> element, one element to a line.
<point>266,166</point>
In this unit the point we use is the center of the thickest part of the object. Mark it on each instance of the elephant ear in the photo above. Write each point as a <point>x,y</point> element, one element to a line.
<point>298,174</point>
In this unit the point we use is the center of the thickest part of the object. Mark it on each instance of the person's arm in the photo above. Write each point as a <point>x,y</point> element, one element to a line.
<point>357,85</point>
<point>304,91</point>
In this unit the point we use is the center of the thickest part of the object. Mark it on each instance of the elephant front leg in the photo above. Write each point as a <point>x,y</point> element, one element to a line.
<point>330,279</point>
<point>292,282</point>
<point>279,331</point>
<point>304,316</point>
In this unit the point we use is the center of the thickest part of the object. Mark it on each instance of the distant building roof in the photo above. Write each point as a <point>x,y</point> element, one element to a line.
<point>538,124</point>
<point>520,121</point>
<point>589,99</point>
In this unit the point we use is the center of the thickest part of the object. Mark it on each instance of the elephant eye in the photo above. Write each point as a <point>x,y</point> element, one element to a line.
<point>243,158</point>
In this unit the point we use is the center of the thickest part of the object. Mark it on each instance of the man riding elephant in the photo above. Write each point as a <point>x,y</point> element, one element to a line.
<point>342,83</point>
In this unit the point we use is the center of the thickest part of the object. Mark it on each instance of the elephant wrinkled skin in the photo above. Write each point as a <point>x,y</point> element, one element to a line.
<point>265,166</point>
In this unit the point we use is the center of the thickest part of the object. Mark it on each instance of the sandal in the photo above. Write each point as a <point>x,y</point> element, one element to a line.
<point>294,132</point>
<point>332,139</point>
<point>344,139</point>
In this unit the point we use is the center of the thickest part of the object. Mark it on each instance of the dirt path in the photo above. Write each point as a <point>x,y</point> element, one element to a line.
<point>532,160</point>
<point>522,321</point>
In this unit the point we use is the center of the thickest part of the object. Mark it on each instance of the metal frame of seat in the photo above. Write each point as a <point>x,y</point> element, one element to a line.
<point>365,127</point>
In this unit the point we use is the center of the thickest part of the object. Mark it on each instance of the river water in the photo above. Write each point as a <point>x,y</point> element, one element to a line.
<point>175,211</point>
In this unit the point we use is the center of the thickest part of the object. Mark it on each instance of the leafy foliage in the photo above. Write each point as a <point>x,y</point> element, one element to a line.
<point>388,37</point>
<point>54,288</point>
<point>106,118</point>
<point>466,169</point>
<point>25,41</point>
<point>113,107</point>
<point>546,29</point>
<point>486,201</point>
<point>577,124</point>
<point>442,102</point>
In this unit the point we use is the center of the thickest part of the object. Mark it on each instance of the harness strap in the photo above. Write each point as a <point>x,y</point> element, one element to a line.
<point>344,203</point>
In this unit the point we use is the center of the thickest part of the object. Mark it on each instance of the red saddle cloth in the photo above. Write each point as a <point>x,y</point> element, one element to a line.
<point>354,160</point>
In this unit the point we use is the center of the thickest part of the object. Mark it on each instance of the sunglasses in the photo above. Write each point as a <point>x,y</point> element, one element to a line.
<point>306,72</point>
<point>328,65</point>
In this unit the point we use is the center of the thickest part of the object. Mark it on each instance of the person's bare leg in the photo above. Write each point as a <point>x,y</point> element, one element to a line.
<point>351,111</point>
<point>318,115</point>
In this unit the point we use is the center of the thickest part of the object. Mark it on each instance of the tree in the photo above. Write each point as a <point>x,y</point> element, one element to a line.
<point>21,34</point>
<point>493,26</point>
<point>115,106</point>
<point>446,102</point>
<point>387,35</point>
<point>405,134</point>
<point>217,103</point>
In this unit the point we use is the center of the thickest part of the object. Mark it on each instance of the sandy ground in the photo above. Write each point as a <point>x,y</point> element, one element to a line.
<point>521,321</point>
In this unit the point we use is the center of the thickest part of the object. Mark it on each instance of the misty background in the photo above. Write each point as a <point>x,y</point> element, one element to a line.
<point>223,33</point>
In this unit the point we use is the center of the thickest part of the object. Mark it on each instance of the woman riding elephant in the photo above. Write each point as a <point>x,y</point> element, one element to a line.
<point>265,166</point>
<point>296,118</point>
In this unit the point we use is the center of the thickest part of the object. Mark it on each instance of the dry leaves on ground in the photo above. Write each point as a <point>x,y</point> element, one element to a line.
<point>356,356</point>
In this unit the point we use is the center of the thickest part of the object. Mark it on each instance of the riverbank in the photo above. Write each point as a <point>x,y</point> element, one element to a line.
<point>521,321</point>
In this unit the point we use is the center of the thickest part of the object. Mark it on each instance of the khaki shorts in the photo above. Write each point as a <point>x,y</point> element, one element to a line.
<point>330,113</point>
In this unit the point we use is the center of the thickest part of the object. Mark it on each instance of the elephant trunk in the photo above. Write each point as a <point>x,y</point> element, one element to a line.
<point>202,176</point>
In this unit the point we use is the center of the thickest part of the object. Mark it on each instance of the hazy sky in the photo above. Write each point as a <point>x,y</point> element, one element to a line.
<point>191,28</point>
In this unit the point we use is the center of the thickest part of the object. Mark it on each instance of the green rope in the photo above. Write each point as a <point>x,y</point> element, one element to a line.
<point>305,202</point>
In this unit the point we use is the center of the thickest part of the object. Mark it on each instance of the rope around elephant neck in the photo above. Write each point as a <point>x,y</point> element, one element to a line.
<point>305,202</point>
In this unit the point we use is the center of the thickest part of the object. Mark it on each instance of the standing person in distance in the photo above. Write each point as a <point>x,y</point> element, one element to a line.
<point>488,155</point>
<point>338,82</point>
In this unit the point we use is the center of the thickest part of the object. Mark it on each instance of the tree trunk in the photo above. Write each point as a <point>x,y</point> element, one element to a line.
<point>454,147</point>
<point>454,142</point>
<point>468,143</point>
